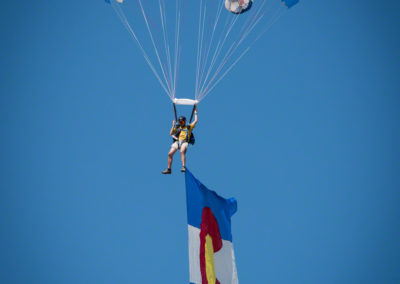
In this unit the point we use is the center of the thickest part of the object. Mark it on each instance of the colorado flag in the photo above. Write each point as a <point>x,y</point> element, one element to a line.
<point>211,256</point>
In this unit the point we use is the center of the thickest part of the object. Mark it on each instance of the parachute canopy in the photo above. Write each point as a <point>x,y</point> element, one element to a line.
<point>238,6</point>
<point>290,3</point>
<point>200,38</point>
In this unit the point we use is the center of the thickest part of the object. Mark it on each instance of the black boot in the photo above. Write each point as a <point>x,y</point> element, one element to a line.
<point>166,172</point>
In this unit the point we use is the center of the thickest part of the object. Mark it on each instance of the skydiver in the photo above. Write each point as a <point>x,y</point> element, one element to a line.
<point>182,135</point>
<point>238,6</point>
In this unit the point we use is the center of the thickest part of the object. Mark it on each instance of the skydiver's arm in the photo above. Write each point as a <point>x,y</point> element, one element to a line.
<point>172,128</point>
<point>195,117</point>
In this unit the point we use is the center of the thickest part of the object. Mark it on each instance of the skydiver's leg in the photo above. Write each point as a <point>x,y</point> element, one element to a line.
<point>171,153</point>
<point>183,155</point>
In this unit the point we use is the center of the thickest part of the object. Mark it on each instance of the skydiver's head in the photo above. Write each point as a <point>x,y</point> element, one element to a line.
<point>182,120</point>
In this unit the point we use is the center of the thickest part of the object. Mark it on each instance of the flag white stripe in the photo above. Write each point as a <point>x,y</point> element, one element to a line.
<point>224,259</point>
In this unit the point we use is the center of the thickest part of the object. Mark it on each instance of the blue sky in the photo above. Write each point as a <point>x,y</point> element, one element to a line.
<point>307,143</point>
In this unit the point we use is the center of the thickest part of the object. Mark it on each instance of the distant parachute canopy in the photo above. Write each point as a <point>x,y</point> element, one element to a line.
<point>238,6</point>
<point>290,3</point>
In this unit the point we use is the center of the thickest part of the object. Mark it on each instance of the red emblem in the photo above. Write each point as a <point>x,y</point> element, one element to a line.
<point>210,243</point>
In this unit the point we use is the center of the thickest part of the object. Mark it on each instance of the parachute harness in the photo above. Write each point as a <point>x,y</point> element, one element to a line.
<point>189,133</point>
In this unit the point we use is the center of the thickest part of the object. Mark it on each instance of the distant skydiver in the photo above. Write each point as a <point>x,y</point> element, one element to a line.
<point>238,6</point>
<point>182,136</point>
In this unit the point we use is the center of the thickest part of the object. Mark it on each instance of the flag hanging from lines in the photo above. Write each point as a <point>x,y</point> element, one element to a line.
<point>211,255</point>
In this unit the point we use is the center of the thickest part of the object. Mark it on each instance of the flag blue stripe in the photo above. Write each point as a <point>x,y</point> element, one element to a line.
<point>198,196</point>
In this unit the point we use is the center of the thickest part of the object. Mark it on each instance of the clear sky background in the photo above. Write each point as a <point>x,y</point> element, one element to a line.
<point>305,136</point>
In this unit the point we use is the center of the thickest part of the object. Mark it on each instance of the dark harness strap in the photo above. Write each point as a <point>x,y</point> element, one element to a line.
<point>176,116</point>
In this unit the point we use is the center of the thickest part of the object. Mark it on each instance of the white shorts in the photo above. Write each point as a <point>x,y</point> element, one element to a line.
<point>176,145</point>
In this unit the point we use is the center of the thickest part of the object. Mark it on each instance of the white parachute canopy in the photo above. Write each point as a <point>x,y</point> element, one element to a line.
<point>238,6</point>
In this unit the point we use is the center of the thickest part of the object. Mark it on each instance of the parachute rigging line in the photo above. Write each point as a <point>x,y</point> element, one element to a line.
<point>131,31</point>
<point>206,90</point>
<point>221,43</point>
<point>155,48</point>
<point>166,42</point>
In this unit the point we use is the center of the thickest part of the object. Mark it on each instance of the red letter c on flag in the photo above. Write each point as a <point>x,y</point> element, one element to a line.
<point>210,242</point>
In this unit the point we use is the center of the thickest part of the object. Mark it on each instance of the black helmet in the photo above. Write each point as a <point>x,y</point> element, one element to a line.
<point>182,118</point>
